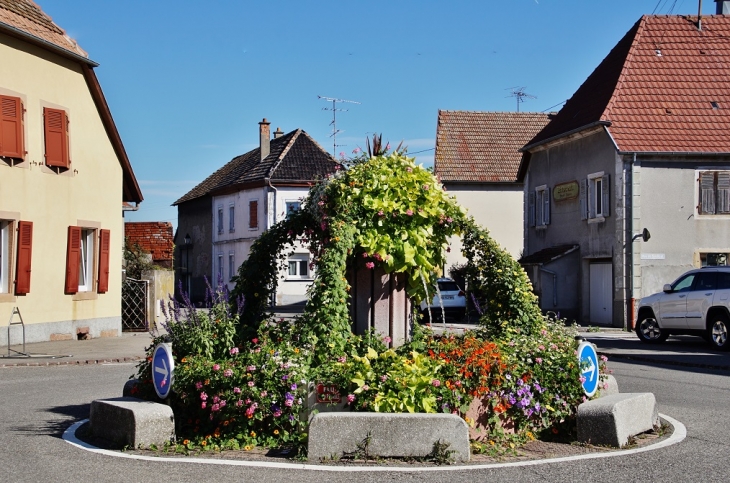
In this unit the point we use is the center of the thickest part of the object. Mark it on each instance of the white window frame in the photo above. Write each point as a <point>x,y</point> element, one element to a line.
<point>231,218</point>
<point>542,206</point>
<point>5,250</point>
<point>292,207</point>
<point>231,265</point>
<point>717,189</point>
<point>596,197</point>
<point>220,220</point>
<point>219,278</point>
<point>86,259</point>
<point>299,265</point>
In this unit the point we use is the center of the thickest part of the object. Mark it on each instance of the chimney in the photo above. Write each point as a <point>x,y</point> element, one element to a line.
<point>264,138</point>
<point>278,133</point>
<point>723,7</point>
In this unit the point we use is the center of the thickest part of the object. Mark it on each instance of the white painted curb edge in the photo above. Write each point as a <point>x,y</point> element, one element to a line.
<point>680,432</point>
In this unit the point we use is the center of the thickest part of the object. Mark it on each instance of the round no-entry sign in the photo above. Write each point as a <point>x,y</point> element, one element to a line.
<point>162,367</point>
<point>588,360</point>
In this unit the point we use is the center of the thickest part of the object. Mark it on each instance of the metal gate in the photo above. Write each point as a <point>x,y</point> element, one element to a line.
<point>134,305</point>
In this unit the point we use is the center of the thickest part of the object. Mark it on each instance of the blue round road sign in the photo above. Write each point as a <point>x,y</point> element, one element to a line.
<point>162,367</point>
<point>588,360</point>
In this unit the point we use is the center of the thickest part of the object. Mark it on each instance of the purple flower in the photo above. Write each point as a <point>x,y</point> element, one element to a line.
<point>293,387</point>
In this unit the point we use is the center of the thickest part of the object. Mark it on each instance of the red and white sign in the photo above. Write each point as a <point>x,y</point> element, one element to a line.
<point>328,393</point>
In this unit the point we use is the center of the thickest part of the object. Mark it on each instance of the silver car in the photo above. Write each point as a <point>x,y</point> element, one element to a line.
<point>453,301</point>
<point>697,303</point>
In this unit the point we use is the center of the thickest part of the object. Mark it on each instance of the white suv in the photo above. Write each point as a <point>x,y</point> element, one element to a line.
<point>697,303</point>
<point>453,300</point>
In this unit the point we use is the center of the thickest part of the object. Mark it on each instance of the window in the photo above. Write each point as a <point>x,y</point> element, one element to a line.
<point>539,207</point>
<point>231,266</point>
<point>595,197</point>
<point>298,267</point>
<point>55,130</point>
<point>11,127</point>
<point>253,214</point>
<point>5,227</point>
<point>220,268</point>
<point>220,220</point>
<point>231,218</point>
<point>292,206</point>
<point>684,284</point>
<point>714,193</point>
<point>713,259</point>
<point>83,251</point>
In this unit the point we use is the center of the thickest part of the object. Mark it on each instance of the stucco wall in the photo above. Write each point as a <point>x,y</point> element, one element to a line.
<point>88,194</point>
<point>497,207</point>
<point>667,200</point>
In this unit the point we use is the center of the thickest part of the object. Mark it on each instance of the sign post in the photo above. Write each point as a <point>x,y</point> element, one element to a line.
<point>588,363</point>
<point>162,369</point>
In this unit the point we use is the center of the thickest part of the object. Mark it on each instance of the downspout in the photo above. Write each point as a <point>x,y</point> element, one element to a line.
<point>555,285</point>
<point>628,244</point>
<point>276,192</point>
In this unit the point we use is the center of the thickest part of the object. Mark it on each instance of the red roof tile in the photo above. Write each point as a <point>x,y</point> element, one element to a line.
<point>483,146</point>
<point>27,16</point>
<point>154,237</point>
<point>655,89</point>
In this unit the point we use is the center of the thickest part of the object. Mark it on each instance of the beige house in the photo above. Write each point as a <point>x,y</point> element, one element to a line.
<point>477,159</point>
<point>64,176</point>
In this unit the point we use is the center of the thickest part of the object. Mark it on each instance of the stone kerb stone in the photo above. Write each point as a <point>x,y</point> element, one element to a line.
<point>131,421</point>
<point>607,386</point>
<point>612,420</point>
<point>333,435</point>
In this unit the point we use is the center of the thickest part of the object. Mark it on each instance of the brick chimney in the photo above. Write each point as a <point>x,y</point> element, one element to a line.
<point>265,138</point>
<point>723,7</point>
<point>278,133</point>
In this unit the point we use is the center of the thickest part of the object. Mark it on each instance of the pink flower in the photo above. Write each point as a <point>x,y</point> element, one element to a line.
<point>255,340</point>
<point>383,378</point>
<point>198,385</point>
<point>250,368</point>
<point>582,379</point>
<point>216,367</point>
<point>364,255</point>
<point>248,401</point>
<point>605,385</point>
<point>409,212</point>
<point>387,339</point>
<point>277,413</point>
<point>541,347</point>
<point>370,265</point>
<point>215,407</point>
<point>228,373</point>
<point>251,384</point>
<point>263,393</point>
<point>350,398</point>
<point>380,213</point>
<point>216,399</point>
<point>425,187</point>
<point>203,405</point>
<point>342,154</point>
<point>233,351</point>
<point>365,387</point>
<point>250,411</point>
<point>449,220</point>
<point>342,359</point>
<point>239,403</point>
<point>288,402</point>
<point>409,169</point>
<point>356,151</point>
<point>538,360</point>
<point>436,383</point>
<point>604,358</point>
<point>203,396</point>
<point>223,403</point>
<point>321,203</point>
<point>236,390</point>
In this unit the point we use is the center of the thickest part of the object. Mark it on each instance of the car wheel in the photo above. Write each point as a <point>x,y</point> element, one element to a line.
<point>718,332</point>
<point>648,330</point>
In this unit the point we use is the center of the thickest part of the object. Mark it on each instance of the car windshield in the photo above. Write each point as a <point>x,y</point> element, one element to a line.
<point>448,286</point>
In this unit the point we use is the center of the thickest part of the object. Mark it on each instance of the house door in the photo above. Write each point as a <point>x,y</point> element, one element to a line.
<point>601,293</point>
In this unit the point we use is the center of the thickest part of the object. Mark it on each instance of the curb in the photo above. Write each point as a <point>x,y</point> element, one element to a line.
<point>678,435</point>
<point>653,360</point>
<point>87,362</point>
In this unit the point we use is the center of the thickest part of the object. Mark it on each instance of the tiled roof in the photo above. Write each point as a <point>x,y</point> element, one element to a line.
<point>483,146</point>
<point>27,16</point>
<point>295,156</point>
<point>547,255</point>
<point>154,237</point>
<point>656,89</point>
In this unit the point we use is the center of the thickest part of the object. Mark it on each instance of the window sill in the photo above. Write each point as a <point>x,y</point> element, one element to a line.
<point>299,280</point>
<point>7,297</point>
<point>85,296</point>
<point>598,219</point>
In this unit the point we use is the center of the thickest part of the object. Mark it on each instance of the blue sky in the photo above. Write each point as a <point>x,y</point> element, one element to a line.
<point>188,81</point>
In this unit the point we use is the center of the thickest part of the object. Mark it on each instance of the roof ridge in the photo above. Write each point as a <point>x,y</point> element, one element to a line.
<point>284,152</point>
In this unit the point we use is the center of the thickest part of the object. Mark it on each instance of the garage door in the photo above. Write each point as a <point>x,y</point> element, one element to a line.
<point>601,293</point>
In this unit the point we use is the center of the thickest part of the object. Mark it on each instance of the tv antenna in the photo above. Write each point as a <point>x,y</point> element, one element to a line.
<point>520,94</point>
<point>334,110</point>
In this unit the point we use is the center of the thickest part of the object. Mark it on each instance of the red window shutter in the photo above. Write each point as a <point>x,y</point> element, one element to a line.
<point>253,214</point>
<point>55,124</point>
<point>11,127</point>
<point>25,248</point>
<point>73,258</point>
<point>103,284</point>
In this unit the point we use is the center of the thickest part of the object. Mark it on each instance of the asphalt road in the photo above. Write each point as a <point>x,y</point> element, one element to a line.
<point>38,403</point>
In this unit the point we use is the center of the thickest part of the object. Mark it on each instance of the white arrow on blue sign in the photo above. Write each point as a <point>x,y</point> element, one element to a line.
<point>162,369</point>
<point>588,360</point>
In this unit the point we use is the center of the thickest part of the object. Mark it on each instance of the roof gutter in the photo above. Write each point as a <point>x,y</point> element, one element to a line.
<point>565,134</point>
<point>16,32</point>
